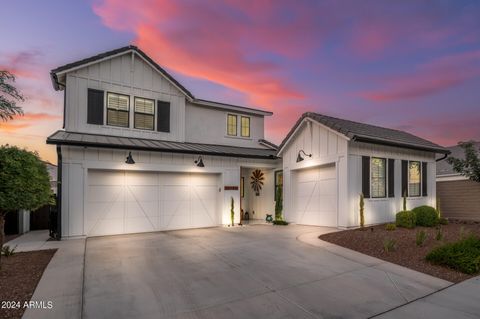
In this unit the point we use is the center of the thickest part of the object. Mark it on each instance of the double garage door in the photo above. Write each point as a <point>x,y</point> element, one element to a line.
<point>315,196</point>
<point>121,202</point>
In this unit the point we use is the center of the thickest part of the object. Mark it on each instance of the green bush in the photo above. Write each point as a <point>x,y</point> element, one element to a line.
<point>390,227</point>
<point>8,251</point>
<point>463,255</point>
<point>420,238</point>
<point>443,221</point>
<point>439,235</point>
<point>426,216</point>
<point>280,222</point>
<point>389,245</point>
<point>405,219</point>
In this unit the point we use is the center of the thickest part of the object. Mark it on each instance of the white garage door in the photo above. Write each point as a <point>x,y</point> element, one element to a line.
<point>315,196</point>
<point>121,202</point>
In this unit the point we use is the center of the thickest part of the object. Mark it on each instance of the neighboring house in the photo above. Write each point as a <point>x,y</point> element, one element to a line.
<point>140,153</point>
<point>458,196</point>
<point>342,159</point>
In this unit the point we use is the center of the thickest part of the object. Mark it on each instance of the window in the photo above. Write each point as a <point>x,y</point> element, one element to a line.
<point>144,114</point>
<point>231,125</point>
<point>118,107</point>
<point>379,177</point>
<point>245,123</point>
<point>278,181</point>
<point>414,179</point>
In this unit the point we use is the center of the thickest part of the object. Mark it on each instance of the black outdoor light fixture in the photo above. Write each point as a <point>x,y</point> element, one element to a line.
<point>299,156</point>
<point>130,159</point>
<point>199,162</point>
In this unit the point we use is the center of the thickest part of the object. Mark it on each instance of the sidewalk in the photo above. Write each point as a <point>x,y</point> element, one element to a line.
<point>33,240</point>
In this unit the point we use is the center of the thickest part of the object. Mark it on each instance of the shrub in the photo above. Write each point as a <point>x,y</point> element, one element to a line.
<point>7,251</point>
<point>443,221</point>
<point>389,245</point>
<point>439,235</point>
<point>390,227</point>
<point>362,211</point>
<point>280,222</point>
<point>463,255</point>
<point>426,216</point>
<point>405,219</point>
<point>420,238</point>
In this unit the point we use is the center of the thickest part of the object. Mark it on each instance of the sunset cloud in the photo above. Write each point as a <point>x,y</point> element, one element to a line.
<point>27,120</point>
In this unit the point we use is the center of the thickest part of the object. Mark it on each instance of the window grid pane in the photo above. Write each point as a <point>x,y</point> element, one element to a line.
<point>144,121</point>
<point>117,118</point>
<point>414,179</point>
<point>232,125</point>
<point>245,126</point>
<point>144,106</point>
<point>378,179</point>
<point>118,101</point>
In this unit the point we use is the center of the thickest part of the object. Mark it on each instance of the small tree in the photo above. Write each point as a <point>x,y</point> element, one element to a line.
<point>404,201</point>
<point>278,204</point>
<point>470,165</point>
<point>362,210</point>
<point>232,211</point>
<point>9,96</point>
<point>24,182</point>
<point>437,202</point>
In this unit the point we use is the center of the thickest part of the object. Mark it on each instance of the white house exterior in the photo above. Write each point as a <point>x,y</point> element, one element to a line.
<point>140,153</point>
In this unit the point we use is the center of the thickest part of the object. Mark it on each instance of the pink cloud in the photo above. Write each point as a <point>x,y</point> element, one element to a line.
<point>27,120</point>
<point>23,64</point>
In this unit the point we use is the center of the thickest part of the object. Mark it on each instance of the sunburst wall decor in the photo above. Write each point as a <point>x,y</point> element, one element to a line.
<point>256,180</point>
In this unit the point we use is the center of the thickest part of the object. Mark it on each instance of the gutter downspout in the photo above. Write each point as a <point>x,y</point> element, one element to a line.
<point>59,192</point>
<point>442,158</point>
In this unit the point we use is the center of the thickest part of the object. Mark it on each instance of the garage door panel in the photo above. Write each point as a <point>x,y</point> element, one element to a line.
<point>101,194</point>
<point>107,227</point>
<point>106,178</point>
<point>142,193</point>
<point>305,189</point>
<point>327,187</point>
<point>175,193</point>
<point>138,225</point>
<point>141,178</point>
<point>172,179</point>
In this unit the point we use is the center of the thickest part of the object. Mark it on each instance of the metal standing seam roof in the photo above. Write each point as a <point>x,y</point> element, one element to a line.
<point>369,133</point>
<point>117,142</point>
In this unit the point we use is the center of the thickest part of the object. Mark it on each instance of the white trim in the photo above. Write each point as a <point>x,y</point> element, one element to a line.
<point>450,178</point>
<point>307,119</point>
<point>234,108</point>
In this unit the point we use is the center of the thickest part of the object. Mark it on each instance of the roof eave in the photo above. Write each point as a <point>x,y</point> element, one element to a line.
<point>379,141</point>
<point>238,108</point>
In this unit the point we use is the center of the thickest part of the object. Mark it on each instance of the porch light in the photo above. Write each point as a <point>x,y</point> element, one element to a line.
<point>299,156</point>
<point>130,159</point>
<point>199,162</point>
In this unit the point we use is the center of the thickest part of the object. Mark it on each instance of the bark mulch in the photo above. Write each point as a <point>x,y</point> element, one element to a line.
<point>19,276</point>
<point>407,253</point>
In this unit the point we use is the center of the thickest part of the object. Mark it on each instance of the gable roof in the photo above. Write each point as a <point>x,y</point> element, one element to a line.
<point>143,144</point>
<point>444,168</point>
<point>362,132</point>
<point>131,48</point>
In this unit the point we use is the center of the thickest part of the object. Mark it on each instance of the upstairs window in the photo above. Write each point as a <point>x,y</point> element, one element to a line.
<point>379,177</point>
<point>231,125</point>
<point>414,179</point>
<point>144,114</point>
<point>118,109</point>
<point>245,125</point>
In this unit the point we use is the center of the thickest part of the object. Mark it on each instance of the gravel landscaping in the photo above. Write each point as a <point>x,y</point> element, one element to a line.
<point>19,276</point>
<point>407,253</point>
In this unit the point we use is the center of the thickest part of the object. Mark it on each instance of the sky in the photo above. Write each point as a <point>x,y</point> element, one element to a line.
<point>411,65</point>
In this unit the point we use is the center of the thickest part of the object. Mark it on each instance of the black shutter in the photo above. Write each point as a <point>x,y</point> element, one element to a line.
<point>404,178</point>
<point>424,179</point>
<point>95,107</point>
<point>391,177</point>
<point>366,176</point>
<point>163,116</point>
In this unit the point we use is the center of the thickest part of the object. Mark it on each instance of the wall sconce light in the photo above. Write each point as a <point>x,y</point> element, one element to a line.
<point>299,156</point>
<point>199,162</point>
<point>130,159</point>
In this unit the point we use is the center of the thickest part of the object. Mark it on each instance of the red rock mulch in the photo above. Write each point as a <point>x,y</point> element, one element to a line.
<point>407,253</point>
<point>19,276</point>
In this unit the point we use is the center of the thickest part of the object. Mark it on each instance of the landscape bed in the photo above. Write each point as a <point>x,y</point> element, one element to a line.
<point>407,253</point>
<point>19,276</point>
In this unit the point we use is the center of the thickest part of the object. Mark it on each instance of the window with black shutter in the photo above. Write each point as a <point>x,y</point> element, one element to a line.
<point>163,116</point>
<point>404,178</point>
<point>118,109</point>
<point>391,177</point>
<point>424,179</point>
<point>95,107</point>
<point>144,116</point>
<point>366,176</point>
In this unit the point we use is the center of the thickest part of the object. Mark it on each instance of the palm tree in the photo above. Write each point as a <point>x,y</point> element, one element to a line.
<point>9,96</point>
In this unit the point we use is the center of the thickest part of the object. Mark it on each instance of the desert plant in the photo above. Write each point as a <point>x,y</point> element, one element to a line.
<point>390,227</point>
<point>389,245</point>
<point>362,210</point>
<point>443,221</point>
<point>437,207</point>
<point>404,201</point>
<point>420,237</point>
<point>232,211</point>
<point>439,235</point>
<point>278,203</point>
<point>8,251</point>
<point>462,255</point>
<point>426,216</point>
<point>405,219</point>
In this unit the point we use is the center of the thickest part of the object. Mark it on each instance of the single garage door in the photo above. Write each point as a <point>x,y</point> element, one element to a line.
<point>315,196</point>
<point>122,202</point>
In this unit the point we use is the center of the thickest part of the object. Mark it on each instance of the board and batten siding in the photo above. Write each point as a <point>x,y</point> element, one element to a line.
<point>77,161</point>
<point>326,147</point>
<point>382,210</point>
<point>124,75</point>
<point>208,125</point>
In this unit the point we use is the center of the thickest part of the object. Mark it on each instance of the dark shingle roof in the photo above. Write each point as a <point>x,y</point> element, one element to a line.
<point>443,168</point>
<point>369,133</point>
<point>268,143</point>
<point>118,142</point>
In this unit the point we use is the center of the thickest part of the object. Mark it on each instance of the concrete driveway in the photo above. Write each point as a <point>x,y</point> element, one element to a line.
<point>244,272</point>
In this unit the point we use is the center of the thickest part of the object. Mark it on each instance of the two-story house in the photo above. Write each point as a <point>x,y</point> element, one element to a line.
<point>140,153</point>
